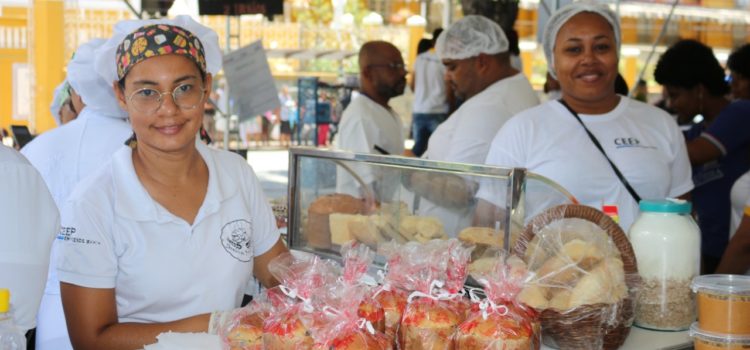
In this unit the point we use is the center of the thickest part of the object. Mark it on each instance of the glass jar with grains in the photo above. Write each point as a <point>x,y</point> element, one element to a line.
<point>666,241</point>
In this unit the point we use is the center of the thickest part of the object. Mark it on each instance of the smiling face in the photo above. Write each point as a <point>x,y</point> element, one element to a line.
<point>169,128</point>
<point>585,59</point>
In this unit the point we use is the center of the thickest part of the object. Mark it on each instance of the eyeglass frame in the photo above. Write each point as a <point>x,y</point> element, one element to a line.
<point>161,97</point>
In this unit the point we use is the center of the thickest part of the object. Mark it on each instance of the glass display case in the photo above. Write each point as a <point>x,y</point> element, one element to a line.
<point>336,196</point>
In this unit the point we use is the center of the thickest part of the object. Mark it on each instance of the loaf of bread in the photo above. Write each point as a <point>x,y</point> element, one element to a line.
<point>340,229</point>
<point>495,332</point>
<point>428,326</point>
<point>247,334</point>
<point>287,334</point>
<point>393,303</point>
<point>317,229</point>
<point>361,340</point>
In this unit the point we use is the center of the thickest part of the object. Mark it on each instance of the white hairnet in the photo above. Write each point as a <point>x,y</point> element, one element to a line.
<point>469,37</point>
<point>96,93</point>
<point>61,94</point>
<point>563,15</point>
<point>105,56</point>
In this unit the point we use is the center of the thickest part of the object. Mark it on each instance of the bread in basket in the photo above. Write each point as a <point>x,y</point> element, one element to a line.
<point>586,277</point>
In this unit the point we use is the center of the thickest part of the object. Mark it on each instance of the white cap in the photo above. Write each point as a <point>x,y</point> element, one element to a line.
<point>563,15</point>
<point>96,93</point>
<point>61,94</point>
<point>469,37</point>
<point>106,65</point>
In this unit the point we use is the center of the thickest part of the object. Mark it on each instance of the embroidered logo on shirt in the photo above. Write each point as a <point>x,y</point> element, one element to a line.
<point>66,235</point>
<point>236,239</point>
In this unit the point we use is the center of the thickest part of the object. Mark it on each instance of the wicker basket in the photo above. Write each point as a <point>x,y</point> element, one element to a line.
<point>587,327</point>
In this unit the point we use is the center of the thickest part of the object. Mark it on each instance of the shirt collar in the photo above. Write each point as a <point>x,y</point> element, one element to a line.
<point>133,201</point>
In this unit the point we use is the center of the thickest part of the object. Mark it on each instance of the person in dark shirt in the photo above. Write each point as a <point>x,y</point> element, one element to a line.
<point>718,147</point>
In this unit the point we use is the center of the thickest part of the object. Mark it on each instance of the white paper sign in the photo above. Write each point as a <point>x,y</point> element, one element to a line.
<point>251,85</point>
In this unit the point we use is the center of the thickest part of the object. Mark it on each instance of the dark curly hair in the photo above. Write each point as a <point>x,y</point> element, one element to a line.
<point>739,61</point>
<point>689,63</point>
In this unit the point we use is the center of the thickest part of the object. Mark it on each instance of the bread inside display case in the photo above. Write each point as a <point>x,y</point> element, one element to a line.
<point>335,197</point>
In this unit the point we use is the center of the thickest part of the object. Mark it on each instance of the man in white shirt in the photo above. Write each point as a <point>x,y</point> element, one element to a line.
<point>431,91</point>
<point>475,52</point>
<point>368,124</point>
<point>66,155</point>
<point>30,221</point>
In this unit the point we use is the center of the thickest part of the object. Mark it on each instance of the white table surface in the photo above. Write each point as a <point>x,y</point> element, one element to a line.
<point>642,339</point>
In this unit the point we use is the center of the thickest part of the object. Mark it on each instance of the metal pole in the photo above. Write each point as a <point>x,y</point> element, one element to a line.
<point>130,6</point>
<point>227,106</point>
<point>447,13</point>
<point>653,47</point>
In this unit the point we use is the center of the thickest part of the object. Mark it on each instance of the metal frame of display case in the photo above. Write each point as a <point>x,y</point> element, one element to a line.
<point>516,179</point>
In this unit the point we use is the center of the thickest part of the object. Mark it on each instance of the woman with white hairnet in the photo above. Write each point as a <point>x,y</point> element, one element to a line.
<point>169,231</point>
<point>603,148</point>
<point>66,155</point>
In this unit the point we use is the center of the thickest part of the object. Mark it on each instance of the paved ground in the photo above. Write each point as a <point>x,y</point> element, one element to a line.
<point>271,166</point>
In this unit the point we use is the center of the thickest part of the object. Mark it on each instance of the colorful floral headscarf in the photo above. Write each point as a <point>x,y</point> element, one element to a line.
<point>156,40</point>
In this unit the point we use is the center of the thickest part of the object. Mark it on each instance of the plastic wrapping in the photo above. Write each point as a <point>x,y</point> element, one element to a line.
<point>584,277</point>
<point>499,321</point>
<point>335,322</point>
<point>435,274</point>
<point>300,276</point>
<point>244,331</point>
<point>357,258</point>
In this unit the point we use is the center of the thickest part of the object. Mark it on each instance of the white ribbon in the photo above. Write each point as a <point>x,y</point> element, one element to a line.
<point>436,293</point>
<point>292,293</point>
<point>361,324</point>
<point>486,304</point>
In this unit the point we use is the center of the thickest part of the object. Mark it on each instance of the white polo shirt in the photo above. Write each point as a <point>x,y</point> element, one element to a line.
<point>115,235</point>
<point>364,125</point>
<point>29,220</point>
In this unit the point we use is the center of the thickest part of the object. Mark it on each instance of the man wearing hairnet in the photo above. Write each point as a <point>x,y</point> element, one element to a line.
<point>475,52</point>
<point>369,124</point>
<point>67,154</point>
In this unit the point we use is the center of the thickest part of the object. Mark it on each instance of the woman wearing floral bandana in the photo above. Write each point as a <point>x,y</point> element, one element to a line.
<point>169,231</point>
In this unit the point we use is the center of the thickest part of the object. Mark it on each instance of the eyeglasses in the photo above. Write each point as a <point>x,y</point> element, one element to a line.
<point>394,66</point>
<point>185,96</point>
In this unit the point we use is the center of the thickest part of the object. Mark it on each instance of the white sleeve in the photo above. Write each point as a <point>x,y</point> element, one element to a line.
<point>472,137</point>
<point>87,254</point>
<point>682,175</point>
<point>355,136</point>
<point>30,221</point>
<point>507,150</point>
<point>265,232</point>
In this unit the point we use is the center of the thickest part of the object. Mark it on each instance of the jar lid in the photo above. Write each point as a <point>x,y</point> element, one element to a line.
<point>669,205</point>
<point>722,284</point>
<point>696,332</point>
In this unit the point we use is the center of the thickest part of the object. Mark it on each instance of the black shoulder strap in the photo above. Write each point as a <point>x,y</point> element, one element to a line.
<point>599,146</point>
